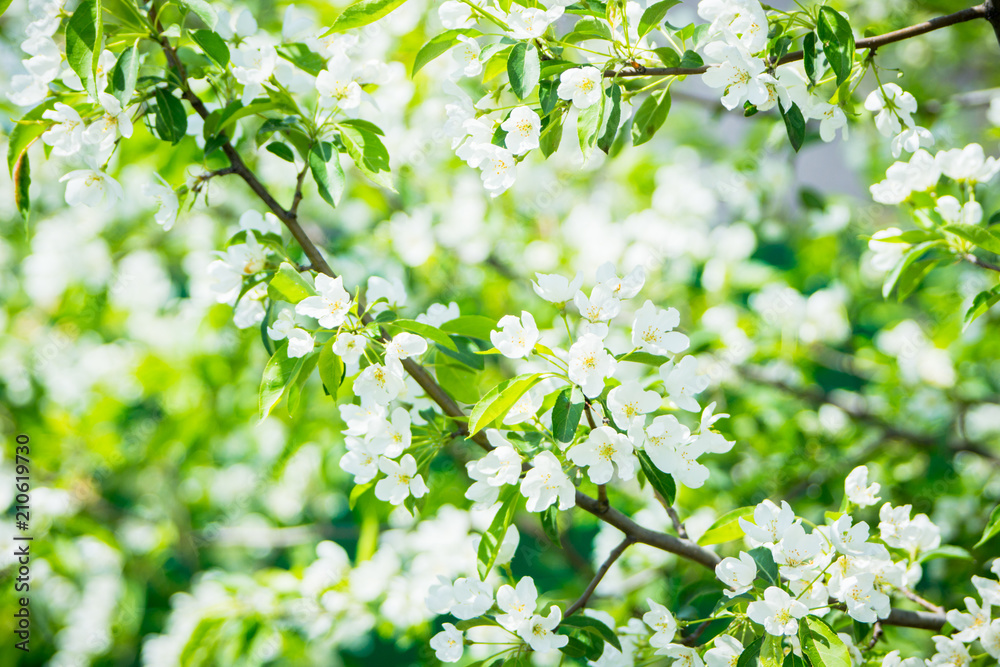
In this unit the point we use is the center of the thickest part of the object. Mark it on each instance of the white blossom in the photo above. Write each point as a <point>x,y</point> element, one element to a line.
<point>401,480</point>
<point>770,523</point>
<point>555,288</point>
<point>517,604</point>
<point>517,337</point>
<point>662,622</point>
<point>252,67</point>
<point>778,612</point>
<point>523,128</point>
<point>603,451</point>
<point>653,330</point>
<point>857,489</point>
<point>448,644</point>
<point>546,483</point>
<point>682,382</point>
<point>331,306</point>
<point>582,85</point>
<point>590,364</point>
<point>629,403</point>
<point>894,108</point>
<point>378,384</point>
<point>737,573</point>
<point>540,632</point>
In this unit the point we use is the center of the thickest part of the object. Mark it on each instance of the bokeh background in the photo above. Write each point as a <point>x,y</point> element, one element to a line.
<point>173,528</point>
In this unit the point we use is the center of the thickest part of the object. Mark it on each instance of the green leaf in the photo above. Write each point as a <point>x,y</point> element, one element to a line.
<point>83,41</point>
<point>591,28</point>
<point>22,180</point>
<point>435,47</point>
<point>427,331</point>
<point>362,13</point>
<point>550,523</point>
<point>324,164</point>
<point>235,111</point>
<point>691,59</point>
<point>523,69</point>
<point>594,626</point>
<point>834,32</point>
<point>726,528</point>
<point>369,154</point>
<point>795,125</point>
<point>653,15</point>
<point>4,4</point>
<point>981,236</point>
<point>358,491</point>
<point>499,400</point>
<point>481,621</point>
<point>810,57</point>
<point>668,56</point>
<point>765,564</point>
<point>771,653</point>
<point>492,539</point>
<point>614,93</point>
<point>458,380</point>
<point>331,368</point>
<point>821,645</point>
<point>640,357</point>
<point>650,117</point>
<point>213,46</point>
<point>947,551</point>
<point>303,57</point>
<point>279,373</point>
<point>25,132</point>
<point>750,654</point>
<point>588,124</point>
<point>992,528</point>
<point>551,136</point>
<point>125,74</point>
<point>982,303</point>
<point>566,416</point>
<point>281,150</point>
<point>911,277</point>
<point>171,120</point>
<point>908,258</point>
<point>289,285</point>
<point>202,9</point>
<point>473,326</point>
<point>659,480</point>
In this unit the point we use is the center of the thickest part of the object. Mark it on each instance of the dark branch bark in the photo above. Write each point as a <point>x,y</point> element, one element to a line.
<point>592,586</point>
<point>983,11</point>
<point>634,532</point>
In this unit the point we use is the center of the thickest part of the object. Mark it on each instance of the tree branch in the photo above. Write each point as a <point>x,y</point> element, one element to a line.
<point>633,531</point>
<point>972,259</point>
<point>983,11</point>
<point>612,557</point>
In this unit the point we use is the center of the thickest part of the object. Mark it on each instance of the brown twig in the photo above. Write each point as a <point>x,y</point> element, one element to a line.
<point>926,604</point>
<point>634,532</point>
<point>969,14</point>
<point>612,557</point>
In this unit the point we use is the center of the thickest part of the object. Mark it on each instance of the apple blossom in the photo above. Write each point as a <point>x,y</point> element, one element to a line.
<point>662,622</point>
<point>392,437</point>
<point>336,85</point>
<point>66,135</point>
<point>590,364</point>
<point>545,483</point>
<point>448,644</point>
<point>653,330</point>
<point>522,128</point>
<point>582,85</point>
<point>518,604</point>
<point>252,67</point>
<point>349,347</point>
<point>778,612</point>
<point>539,631</point>
<point>857,489</point>
<point>555,288</point>
<point>894,106</point>
<point>629,403</point>
<point>725,652</point>
<point>682,383</point>
<point>601,306</point>
<point>517,337</point>
<point>361,459</point>
<point>770,523</point>
<point>737,573</point>
<point>91,187</point>
<point>465,55</point>
<point>167,204</point>
<point>401,480</point>
<point>498,169</point>
<point>378,384</point>
<point>331,306</point>
<point>603,451</point>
